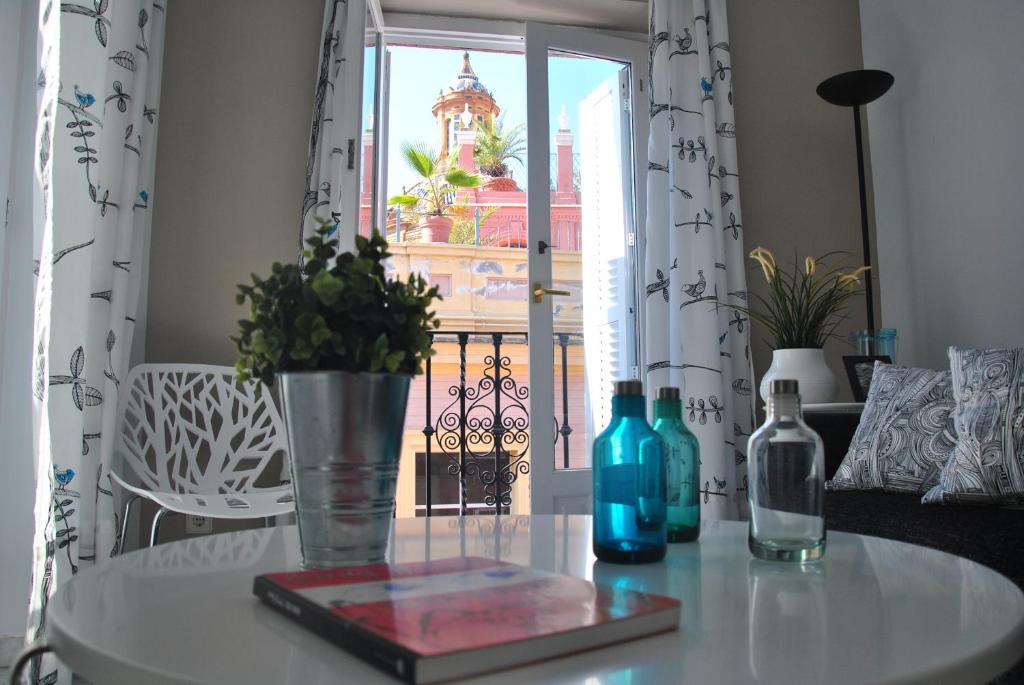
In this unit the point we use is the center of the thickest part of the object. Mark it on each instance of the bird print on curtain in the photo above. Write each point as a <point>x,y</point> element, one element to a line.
<point>95,159</point>
<point>695,253</point>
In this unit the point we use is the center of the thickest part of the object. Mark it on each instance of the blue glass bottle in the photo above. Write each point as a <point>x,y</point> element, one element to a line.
<point>630,512</point>
<point>682,457</point>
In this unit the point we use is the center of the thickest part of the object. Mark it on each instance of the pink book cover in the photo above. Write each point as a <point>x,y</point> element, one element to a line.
<point>450,618</point>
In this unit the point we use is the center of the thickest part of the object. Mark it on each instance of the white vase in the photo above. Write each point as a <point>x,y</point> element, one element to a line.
<point>808,368</point>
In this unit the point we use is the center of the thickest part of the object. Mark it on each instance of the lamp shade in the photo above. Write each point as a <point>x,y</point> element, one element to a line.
<point>854,88</point>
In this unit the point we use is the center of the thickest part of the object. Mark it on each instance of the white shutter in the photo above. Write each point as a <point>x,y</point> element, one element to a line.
<point>348,116</point>
<point>606,188</point>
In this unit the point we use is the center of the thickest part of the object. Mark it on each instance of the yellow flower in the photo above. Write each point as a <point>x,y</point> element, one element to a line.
<point>810,265</point>
<point>765,253</point>
<point>766,259</point>
<point>852,278</point>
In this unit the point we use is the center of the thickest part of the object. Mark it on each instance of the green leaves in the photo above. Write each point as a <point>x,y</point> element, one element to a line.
<point>337,312</point>
<point>393,360</point>
<point>496,146</point>
<point>406,201</point>
<point>327,287</point>
<point>460,178</point>
<point>441,178</point>
<point>384,358</point>
<point>420,158</point>
<point>380,353</point>
<point>803,307</point>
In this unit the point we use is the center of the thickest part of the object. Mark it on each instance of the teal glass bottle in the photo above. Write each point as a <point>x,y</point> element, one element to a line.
<point>630,512</point>
<point>682,457</point>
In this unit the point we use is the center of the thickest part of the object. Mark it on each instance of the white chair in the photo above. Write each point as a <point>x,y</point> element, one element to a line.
<point>195,440</point>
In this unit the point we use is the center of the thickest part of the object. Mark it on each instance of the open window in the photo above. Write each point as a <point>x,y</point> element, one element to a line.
<point>546,198</point>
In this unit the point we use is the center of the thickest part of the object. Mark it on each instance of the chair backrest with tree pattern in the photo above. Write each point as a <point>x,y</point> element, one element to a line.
<point>195,429</point>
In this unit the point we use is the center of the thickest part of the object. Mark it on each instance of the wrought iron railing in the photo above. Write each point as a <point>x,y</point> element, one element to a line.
<point>483,431</point>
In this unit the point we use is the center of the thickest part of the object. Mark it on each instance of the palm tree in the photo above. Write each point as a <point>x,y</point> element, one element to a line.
<point>495,146</point>
<point>441,178</point>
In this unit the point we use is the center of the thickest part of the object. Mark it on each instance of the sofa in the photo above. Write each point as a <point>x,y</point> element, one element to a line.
<point>987,535</point>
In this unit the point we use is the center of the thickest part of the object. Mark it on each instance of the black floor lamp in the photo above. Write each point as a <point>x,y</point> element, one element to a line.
<point>853,89</point>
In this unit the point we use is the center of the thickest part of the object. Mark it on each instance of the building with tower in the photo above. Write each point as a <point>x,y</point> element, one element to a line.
<point>498,206</point>
<point>464,100</point>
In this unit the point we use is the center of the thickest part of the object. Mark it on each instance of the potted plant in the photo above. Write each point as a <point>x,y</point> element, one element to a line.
<point>342,342</point>
<point>440,180</point>
<point>801,312</point>
<point>496,146</point>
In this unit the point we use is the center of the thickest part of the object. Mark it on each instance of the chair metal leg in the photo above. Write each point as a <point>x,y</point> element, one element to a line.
<point>30,654</point>
<point>124,522</point>
<point>156,525</point>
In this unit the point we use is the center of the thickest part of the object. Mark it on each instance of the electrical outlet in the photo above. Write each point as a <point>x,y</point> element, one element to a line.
<point>198,525</point>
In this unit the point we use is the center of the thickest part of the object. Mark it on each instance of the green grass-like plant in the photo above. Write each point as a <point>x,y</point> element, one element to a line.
<point>803,308</point>
<point>464,225</point>
<point>335,312</point>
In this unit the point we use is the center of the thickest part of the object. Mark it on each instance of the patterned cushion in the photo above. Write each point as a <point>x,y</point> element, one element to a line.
<point>905,434</point>
<point>987,464</point>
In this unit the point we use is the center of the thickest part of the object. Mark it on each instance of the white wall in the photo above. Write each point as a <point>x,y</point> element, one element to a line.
<point>236,103</point>
<point>797,157</point>
<point>947,151</point>
<point>228,206</point>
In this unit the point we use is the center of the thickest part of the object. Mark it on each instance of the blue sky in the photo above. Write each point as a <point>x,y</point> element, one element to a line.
<point>417,74</point>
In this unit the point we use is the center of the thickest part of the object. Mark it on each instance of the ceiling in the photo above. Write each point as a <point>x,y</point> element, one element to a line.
<point>622,15</point>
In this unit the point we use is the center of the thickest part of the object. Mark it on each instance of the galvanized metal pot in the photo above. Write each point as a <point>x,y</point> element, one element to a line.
<point>345,439</point>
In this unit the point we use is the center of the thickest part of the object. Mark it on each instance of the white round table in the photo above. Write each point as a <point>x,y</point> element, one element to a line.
<point>875,611</point>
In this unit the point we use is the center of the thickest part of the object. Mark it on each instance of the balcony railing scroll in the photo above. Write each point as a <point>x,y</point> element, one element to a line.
<point>483,429</point>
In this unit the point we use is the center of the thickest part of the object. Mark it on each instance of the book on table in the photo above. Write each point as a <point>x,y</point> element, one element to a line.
<point>433,621</point>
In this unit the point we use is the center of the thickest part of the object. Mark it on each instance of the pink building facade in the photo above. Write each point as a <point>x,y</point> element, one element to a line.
<point>498,206</point>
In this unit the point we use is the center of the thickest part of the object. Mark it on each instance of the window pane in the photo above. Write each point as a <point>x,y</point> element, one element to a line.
<point>464,109</point>
<point>592,210</point>
<point>369,144</point>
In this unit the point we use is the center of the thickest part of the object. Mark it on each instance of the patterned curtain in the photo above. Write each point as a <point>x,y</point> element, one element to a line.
<point>695,256</point>
<point>95,155</point>
<point>332,145</point>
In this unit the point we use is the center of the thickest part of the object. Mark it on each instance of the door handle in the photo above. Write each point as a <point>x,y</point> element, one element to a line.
<point>540,291</point>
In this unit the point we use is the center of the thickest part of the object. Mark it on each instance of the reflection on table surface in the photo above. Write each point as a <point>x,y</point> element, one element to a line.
<point>873,610</point>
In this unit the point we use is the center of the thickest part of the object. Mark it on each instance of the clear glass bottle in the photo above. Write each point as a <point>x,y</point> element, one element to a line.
<point>682,457</point>
<point>630,525</point>
<point>787,484</point>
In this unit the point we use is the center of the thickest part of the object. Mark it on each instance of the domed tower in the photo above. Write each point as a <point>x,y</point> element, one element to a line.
<point>465,93</point>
